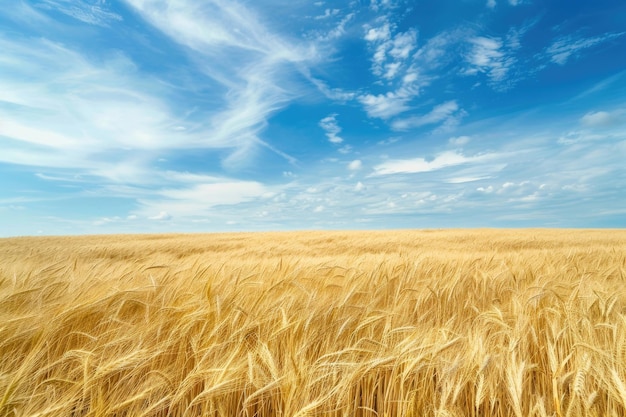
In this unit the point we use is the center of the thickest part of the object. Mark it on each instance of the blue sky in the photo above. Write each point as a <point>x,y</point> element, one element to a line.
<point>217,115</point>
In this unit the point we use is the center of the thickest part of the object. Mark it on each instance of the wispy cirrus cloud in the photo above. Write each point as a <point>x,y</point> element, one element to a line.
<point>336,32</point>
<point>464,50</point>
<point>496,57</point>
<point>197,195</point>
<point>93,12</point>
<point>335,94</point>
<point>62,108</point>
<point>59,109</point>
<point>441,50</point>
<point>418,165</point>
<point>447,114</point>
<point>225,35</point>
<point>212,26</point>
<point>565,47</point>
<point>488,56</point>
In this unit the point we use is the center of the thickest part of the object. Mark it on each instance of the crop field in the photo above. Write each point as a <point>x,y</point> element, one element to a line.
<point>395,323</point>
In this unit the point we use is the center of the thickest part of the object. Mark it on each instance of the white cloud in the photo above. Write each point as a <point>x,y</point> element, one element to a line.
<point>393,62</point>
<point>328,13</point>
<point>603,118</point>
<point>579,136</point>
<point>389,51</point>
<point>491,3</point>
<point>600,118</point>
<point>72,110</point>
<point>448,112</point>
<point>217,193</point>
<point>188,200</point>
<point>355,165</point>
<point>163,215</point>
<point>379,34</point>
<point>418,165</point>
<point>403,44</point>
<point>392,70</point>
<point>386,105</point>
<point>338,31</point>
<point>489,56</point>
<point>389,141</point>
<point>376,5</point>
<point>562,49</point>
<point>411,76</point>
<point>345,149</point>
<point>359,186</point>
<point>335,94</point>
<point>441,49</point>
<point>106,220</point>
<point>331,127</point>
<point>463,180</point>
<point>459,140</point>
<point>210,26</point>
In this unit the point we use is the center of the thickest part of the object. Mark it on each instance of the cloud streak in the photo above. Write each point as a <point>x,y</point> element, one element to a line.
<point>447,113</point>
<point>420,165</point>
<point>228,36</point>
<point>566,47</point>
<point>59,109</point>
<point>91,12</point>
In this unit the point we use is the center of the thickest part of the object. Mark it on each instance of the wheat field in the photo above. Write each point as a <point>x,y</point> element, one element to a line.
<point>395,323</point>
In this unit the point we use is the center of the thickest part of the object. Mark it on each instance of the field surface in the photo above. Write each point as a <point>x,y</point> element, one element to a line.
<point>397,323</point>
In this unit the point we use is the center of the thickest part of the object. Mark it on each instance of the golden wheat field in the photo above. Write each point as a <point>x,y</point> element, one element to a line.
<point>396,323</point>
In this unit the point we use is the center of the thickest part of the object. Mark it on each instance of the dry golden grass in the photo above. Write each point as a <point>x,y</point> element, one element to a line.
<point>403,323</point>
